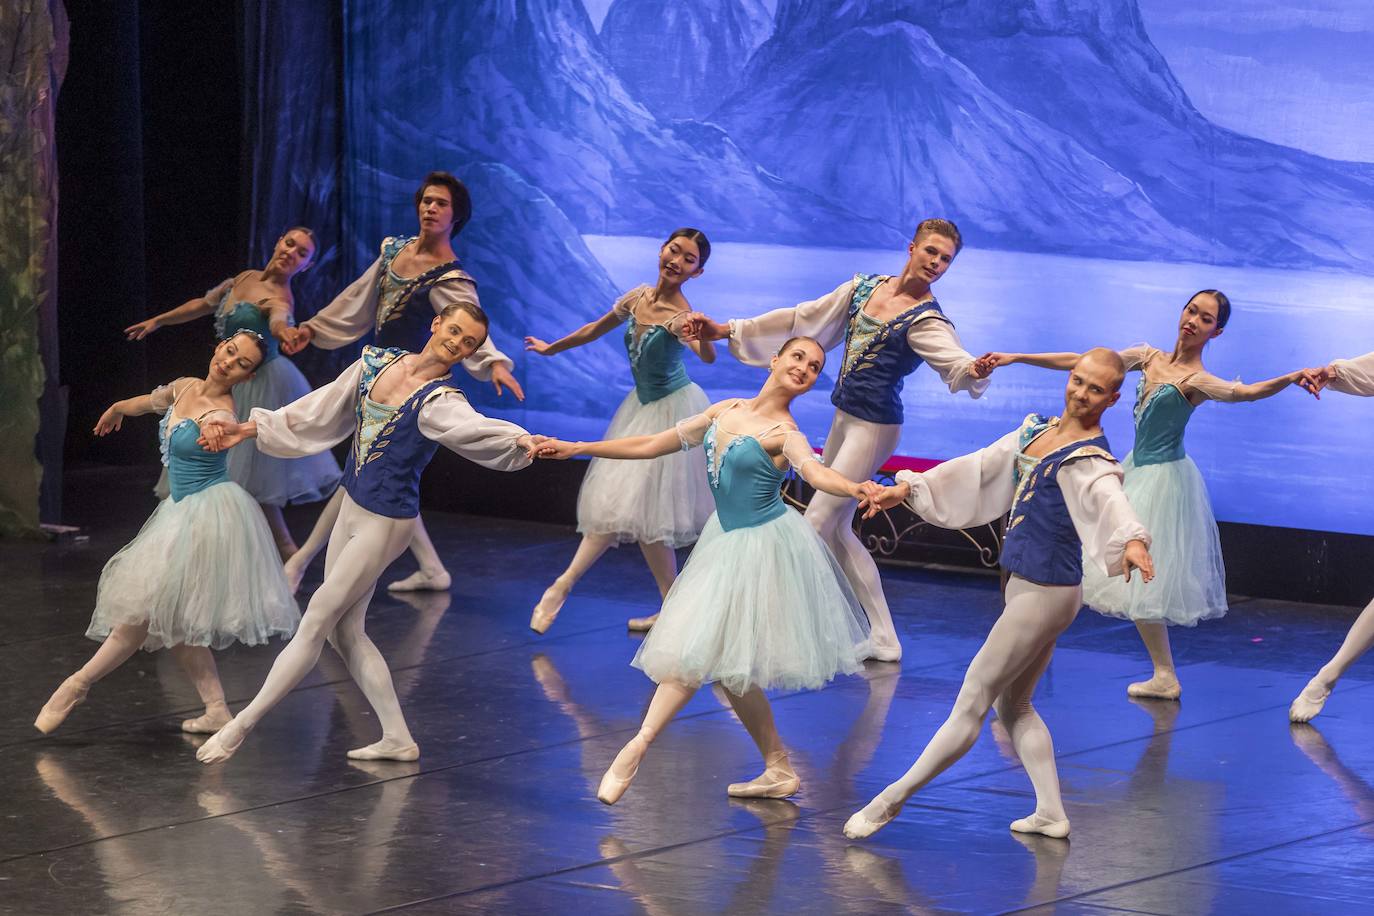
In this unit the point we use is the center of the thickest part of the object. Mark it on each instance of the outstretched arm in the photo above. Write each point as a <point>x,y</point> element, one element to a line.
<point>583,335</point>
<point>157,401</point>
<point>344,320</point>
<point>1215,389</point>
<point>754,341</point>
<point>651,446</point>
<point>448,419</point>
<point>973,489</point>
<point>1065,360</point>
<point>309,425</point>
<point>189,310</point>
<point>937,343</point>
<point>1352,376</point>
<point>811,469</point>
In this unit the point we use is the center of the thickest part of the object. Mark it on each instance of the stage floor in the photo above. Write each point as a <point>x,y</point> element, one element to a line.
<point>1213,805</point>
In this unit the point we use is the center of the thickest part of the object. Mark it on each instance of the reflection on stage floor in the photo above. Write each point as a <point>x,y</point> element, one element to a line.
<point>1212,805</point>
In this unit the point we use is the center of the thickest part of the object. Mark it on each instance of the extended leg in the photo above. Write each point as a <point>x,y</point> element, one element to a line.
<point>199,665</point>
<point>319,536</point>
<point>662,562</point>
<point>1357,643</point>
<point>1164,685</point>
<point>588,552</point>
<point>1034,617</point>
<point>1035,749</point>
<point>362,545</point>
<point>857,449</point>
<point>370,671</point>
<point>668,701</point>
<point>431,576</point>
<point>778,779</point>
<point>123,641</point>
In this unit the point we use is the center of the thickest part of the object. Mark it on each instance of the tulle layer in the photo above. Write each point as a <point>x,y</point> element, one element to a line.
<point>202,571</point>
<point>1190,577</point>
<point>766,606</point>
<point>663,499</point>
<point>278,481</point>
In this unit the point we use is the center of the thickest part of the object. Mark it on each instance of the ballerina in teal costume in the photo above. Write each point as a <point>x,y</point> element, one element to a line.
<point>202,572</point>
<point>762,602</point>
<point>1166,489</point>
<point>660,504</point>
<point>261,302</point>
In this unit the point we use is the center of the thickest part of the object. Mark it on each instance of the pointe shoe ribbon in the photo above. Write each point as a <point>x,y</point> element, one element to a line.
<point>1042,825</point>
<point>546,611</point>
<point>771,784</point>
<point>58,707</point>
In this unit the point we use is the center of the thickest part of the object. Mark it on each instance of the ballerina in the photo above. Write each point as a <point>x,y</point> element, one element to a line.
<point>399,408</point>
<point>261,301</point>
<point>866,313</point>
<point>1165,487</point>
<point>1350,376</point>
<point>660,504</point>
<point>1079,510</point>
<point>413,279</point>
<point>202,572</point>
<point>761,602</point>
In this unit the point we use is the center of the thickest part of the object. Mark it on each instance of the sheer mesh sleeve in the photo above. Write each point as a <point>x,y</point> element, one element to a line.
<point>1214,388</point>
<point>796,448</point>
<point>162,397</point>
<point>1136,356</point>
<point>624,303</point>
<point>691,432</point>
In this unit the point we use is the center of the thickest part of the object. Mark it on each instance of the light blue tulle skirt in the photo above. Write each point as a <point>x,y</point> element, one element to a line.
<point>278,481</point>
<point>1190,577</point>
<point>202,571</point>
<point>765,607</point>
<point>658,500</point>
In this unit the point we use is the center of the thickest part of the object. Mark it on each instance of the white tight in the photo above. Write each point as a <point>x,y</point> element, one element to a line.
<point>857,449</point>
<point>1357,642</point>
<point>1004,671</point>
<point>420,543</point>
<point>361,546</point>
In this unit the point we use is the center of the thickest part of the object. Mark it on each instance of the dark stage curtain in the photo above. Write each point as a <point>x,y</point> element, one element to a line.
<point>33,50</point>
<point>293,129</point>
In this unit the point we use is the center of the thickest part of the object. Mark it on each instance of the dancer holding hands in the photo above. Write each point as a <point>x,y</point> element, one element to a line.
<point>1165,487</point>
<point>889,325</point>
<point>662,503</point>
<point>761,602</point>
<point>202,572</point>
<point>261,301</point>
<point>1063,489</point>
<point>399,408</point>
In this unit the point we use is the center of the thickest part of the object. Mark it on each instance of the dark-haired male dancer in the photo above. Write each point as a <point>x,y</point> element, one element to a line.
<point>412,280</point>
<point>867,313</point>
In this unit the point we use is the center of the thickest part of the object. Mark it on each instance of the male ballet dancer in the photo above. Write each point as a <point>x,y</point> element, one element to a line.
<point>412,280</point>
<point>868,313</point>
<point>1063,488</point>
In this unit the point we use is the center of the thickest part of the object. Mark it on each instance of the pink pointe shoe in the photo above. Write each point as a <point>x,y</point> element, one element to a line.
<point>613,786</point>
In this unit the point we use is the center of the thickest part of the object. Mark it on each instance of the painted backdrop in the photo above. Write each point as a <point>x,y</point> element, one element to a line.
<point>1104,159</point>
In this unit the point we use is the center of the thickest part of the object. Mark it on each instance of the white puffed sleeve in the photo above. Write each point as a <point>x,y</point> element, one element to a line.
<point>691,432</point>
<point>970,490</point>
<point>1101,514</point>
<point>487,356</point>
<point>1354,376</point>
<point>755,341</point>
<point>936,342</point>
<point>796,448</point>
<point>352,314</point>
<point>448,419</point>
<point>309,425</point>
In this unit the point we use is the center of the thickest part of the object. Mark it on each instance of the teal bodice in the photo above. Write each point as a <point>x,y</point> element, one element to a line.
<point>1160,421</point>
<point>190,468</point>
<point>655,361</point>
<point>744,482</point>
<point>231,318</point>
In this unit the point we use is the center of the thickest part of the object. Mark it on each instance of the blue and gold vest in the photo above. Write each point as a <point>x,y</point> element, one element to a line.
<point>389,452</point>
<point>1041,544</point>
<point>404,312</point>
<point>870,385</point>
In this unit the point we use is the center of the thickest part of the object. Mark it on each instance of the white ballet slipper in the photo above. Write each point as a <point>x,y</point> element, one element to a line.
<point>1038,823</point>
<point>387,750</point>
<point>421,581</point>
